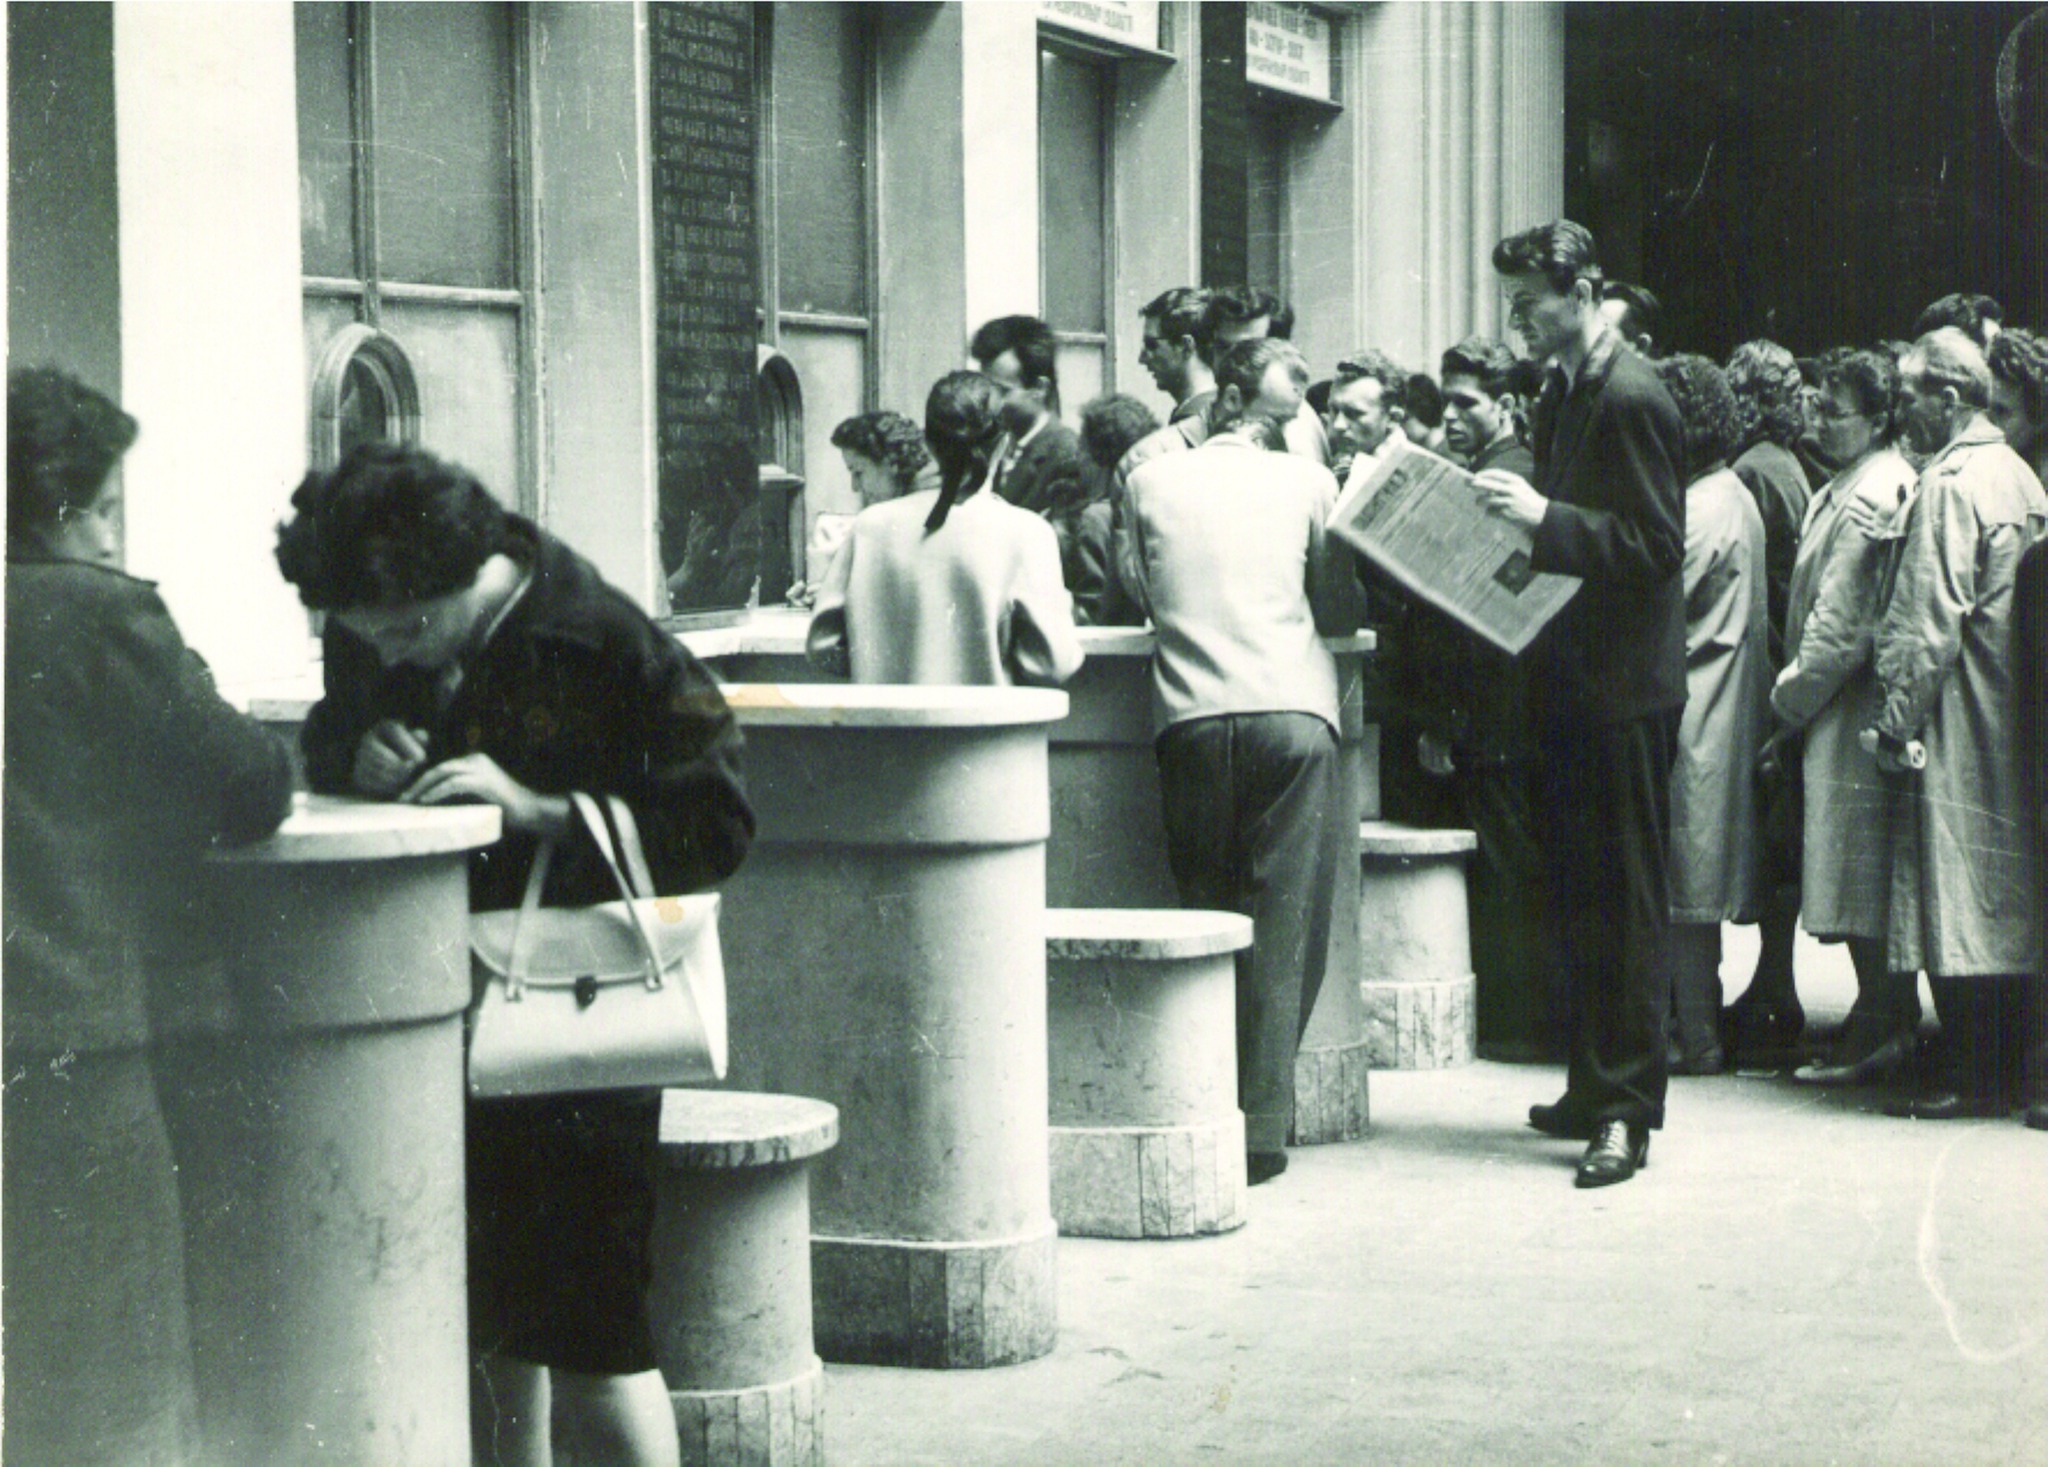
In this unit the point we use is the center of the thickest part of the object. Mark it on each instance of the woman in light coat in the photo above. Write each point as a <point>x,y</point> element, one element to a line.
<point>949,585</point>
<point>1848,554</point>
<point>1727,691</point>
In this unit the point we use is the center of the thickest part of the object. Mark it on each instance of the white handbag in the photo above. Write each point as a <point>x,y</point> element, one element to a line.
<point>622,995</point>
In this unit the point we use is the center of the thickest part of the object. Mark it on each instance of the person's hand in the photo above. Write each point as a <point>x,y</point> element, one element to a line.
<point>478,779</point>
<point>388,758</point>
<point>1435,755</point>
<point>1511,497</point>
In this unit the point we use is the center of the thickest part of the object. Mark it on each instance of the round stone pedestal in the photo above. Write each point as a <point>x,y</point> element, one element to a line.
<point>1415,945</point>
<point>1147,1139</point>
<point>885,951</point>
<point>731,1296</point>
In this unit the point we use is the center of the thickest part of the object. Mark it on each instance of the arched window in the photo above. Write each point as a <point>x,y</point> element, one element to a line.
<point>364,391</point>
<point>779,444</point>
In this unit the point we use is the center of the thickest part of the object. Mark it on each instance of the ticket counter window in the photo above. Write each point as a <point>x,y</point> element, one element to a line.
<point>1074,168</point>
<point>410,188</point>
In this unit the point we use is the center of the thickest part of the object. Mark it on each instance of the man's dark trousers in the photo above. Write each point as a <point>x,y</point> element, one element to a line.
<point>1605,793</point>
<point>1248,799</point>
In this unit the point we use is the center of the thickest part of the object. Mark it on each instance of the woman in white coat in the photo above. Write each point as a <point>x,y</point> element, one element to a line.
<point>949,585</point>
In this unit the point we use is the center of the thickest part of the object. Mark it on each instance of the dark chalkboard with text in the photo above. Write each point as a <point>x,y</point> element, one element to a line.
<point>701,115</point>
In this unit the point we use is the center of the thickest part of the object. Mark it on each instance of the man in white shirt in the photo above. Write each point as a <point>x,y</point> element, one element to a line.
<point>1226,549</point>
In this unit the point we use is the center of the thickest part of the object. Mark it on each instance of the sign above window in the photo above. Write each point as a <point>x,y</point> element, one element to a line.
<point>1287,49</point>
<point>1133,23</point>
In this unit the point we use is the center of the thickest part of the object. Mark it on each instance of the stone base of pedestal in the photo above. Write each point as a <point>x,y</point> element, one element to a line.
<point>936,1306</point>
<point>1330,1093</point>
<point>1419,1026</point>
<point>1149,1181</point>
<point>779,1425</point>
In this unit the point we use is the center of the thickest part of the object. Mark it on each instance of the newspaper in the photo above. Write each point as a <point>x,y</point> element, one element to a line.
<point>1418,518</point>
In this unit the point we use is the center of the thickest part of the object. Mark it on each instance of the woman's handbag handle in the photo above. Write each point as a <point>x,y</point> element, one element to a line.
<point>629,837</point>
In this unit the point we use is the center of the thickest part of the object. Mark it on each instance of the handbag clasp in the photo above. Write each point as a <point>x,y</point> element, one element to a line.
<point>586,990</point>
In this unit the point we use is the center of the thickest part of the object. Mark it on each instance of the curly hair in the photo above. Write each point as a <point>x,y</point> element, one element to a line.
<point>888,439</point>
<point>1383,369</point>
<point>63,439</point>
<point>1871,378</point>
<point>963,423</point>
<point>1765,380</point>
<point>387,526</point>
<point>1111,424</point>
<point>1976,316</point>
<point>2019,358</point>
<point>1562,251</point>
<point>1706,404</point>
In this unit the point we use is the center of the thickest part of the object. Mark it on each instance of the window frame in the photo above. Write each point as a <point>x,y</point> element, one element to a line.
<point>369,287</point>
<point>1107,62</point>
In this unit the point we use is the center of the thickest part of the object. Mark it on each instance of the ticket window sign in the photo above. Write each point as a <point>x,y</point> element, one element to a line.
<point>1287,49</point>
<point>1132,23</point>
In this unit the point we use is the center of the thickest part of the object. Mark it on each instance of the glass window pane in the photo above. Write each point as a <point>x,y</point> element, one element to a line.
<point>327,168</point>
<point>1070,189</point>
<point>1266,201</point>
<point>821,157</point>
<point>467,363</point>
<point>443,144</point>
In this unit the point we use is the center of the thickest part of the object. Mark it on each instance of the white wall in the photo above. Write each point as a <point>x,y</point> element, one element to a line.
<point>212,360</point>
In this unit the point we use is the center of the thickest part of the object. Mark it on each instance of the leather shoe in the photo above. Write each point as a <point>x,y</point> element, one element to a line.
<point>1760,1032</point>
<point>1618,1151</point>
<point>1562,1120</point>
<point>2037,1115</point>
<point>1947,1105</point>
<point>1712,1060</point>
<point>1850,1069</point>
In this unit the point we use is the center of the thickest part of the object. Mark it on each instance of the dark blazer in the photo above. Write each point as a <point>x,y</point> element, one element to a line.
<point>1053,476</point>
<point>123,766</point>
<point>577,690</point>
<point>1609,457</point>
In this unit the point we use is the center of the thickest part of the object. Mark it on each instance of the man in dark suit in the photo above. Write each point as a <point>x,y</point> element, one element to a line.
<point>1040,465</point>
<point>1607,505</point>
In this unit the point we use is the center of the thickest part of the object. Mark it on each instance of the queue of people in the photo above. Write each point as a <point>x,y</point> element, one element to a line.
<point>1716,729</point>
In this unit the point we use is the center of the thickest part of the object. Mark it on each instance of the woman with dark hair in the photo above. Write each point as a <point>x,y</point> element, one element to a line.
<point>886,455</point>
<point>949,585</point>
<point>471,656</point>
<point>1727,693</point>
<point>1848,553</point>
<point>124,766</point>
<point>1765,1022</point>
<point>1110,425</point>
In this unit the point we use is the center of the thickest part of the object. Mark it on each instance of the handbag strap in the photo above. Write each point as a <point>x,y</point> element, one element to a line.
<point>543,857</point>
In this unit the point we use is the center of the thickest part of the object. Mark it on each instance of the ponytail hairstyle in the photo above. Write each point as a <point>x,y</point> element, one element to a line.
<point>962,423</point>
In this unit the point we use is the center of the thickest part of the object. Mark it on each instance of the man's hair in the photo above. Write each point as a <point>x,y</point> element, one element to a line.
<point>1946,357</point>
<point>962,423</point>
<point>2020,359</point>
<point>1241,303</point>
<point>387,526</point>
<point>1381,368</point>
<point>63,439</point>
<point>1030,338</point>
<point>1111,424</point>
<point>1706,405</point>
<point>1245,365</point>
<point>1561,251</point>
<point>1187,310</point>
<point>1423,399</point>
<point>1871,378</point>
<point>1645,311</point>
<point>888,439</point>
<point>1487,361</point>
<point>1967,313</point>
<point>1766,382</point>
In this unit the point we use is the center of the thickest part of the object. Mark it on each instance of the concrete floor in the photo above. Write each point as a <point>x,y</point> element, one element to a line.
<point>1796,1279</point>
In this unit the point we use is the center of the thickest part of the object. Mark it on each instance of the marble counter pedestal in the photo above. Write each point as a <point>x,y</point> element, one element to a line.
<point>885,951</point>
<point>1416,943</point>
<point>324,1196</point>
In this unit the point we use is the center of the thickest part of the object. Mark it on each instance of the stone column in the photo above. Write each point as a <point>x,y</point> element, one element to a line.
<point>885,951</point>
<point>321,1145</point>
<point>1416,946</point>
